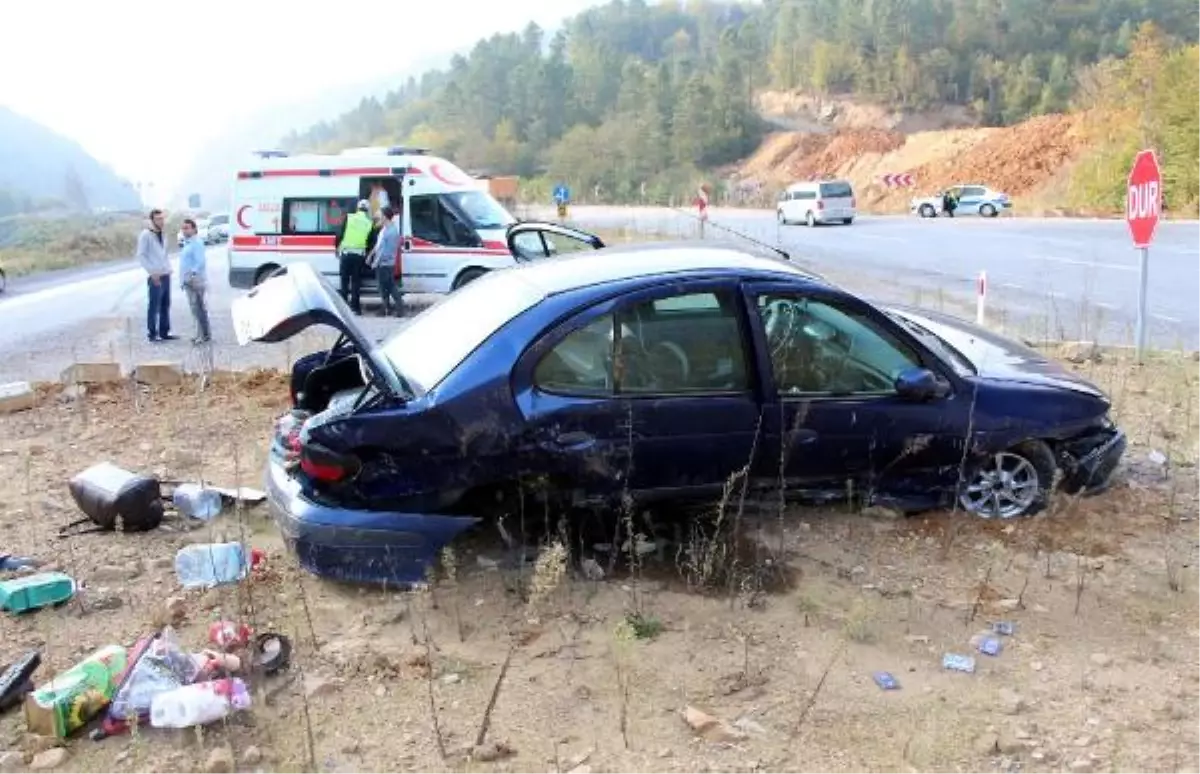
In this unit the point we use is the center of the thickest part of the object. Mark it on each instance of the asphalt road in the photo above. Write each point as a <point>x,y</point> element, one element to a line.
<point>1047,279</point>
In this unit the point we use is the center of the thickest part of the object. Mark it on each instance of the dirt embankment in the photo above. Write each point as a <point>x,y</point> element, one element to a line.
<point>863,144</point>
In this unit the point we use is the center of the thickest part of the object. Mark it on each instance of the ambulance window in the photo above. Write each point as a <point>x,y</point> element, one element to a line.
<point>434,222</point>
<point>315,216</point>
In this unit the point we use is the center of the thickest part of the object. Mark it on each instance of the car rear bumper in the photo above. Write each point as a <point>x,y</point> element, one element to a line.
<point>384,547</point>
<point>1090,462</point>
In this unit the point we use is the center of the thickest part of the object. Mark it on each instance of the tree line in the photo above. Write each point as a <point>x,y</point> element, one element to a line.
<point>636,99</point>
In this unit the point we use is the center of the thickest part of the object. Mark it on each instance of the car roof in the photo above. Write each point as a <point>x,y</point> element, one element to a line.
<point>626,262</point>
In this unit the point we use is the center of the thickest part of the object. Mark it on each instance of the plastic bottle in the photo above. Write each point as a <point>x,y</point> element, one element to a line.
<point>210,564</point>
<point>198,703</point>
<point>197,502</point>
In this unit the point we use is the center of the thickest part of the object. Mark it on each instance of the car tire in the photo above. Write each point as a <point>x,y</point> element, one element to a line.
<point>467,276</point>
<point>927,211</point>
<point>988,211</point>
<point>1030,466</point>
<point>847,221</point>
<point>810,220</point>
<point>780,218</point>
<point>265,273</point>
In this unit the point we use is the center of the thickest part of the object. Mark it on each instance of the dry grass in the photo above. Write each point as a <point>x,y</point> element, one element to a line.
<point>538,667</point>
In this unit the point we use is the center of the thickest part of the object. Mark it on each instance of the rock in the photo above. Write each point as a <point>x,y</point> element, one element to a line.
<point>252,756</point>
<point>750,726</point>
<point>103,602</point>
<point>11,760</point>
<point>220,760</point>
<point>16,396</point>
<point>49,759</point>
<point>159,373</point>
<point>489,752</point>
<point>1037,666</point>
<point>73,392</point>
<point>592,570</point>
<point>1009,604</point>
<point>91,373</point>
<point>174,611</point>
<point>1081,765</point>
<point>1101,659</point>
<point>451,679</point>
<point>1011,702</point>
<point>316,686</point>
<point>380,691</point>
<point>1080,352</point>
<point>917,639</point>
<point>711,728</point>
<point>1085,741</point>
<point>665,753</point>
<point>115,573</point>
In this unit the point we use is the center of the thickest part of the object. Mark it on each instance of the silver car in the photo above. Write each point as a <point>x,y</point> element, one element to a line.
<point>972,199</point>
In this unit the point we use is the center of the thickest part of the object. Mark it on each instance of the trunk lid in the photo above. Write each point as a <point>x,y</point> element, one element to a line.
<point>297,298</point>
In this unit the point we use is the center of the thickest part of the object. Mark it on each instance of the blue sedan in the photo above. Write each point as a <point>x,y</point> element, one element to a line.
<point>653,372</point>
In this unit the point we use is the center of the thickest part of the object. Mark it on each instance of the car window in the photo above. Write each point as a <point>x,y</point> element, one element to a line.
<point>219,220</point>
<point>819,349</point>
<point>580,364</point>
<point>530,245</point>
<point>315,216</point>
<point>683,344</point>
<point>972,190</point>
<point>836,190</point>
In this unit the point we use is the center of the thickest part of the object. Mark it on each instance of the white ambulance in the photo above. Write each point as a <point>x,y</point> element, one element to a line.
<point>289,208</point>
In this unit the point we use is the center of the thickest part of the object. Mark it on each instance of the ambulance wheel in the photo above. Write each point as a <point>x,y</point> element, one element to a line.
<point>265,273</point>
<point>469,275</point>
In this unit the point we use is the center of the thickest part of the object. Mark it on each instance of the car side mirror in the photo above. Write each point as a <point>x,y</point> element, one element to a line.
<point>919,385</point>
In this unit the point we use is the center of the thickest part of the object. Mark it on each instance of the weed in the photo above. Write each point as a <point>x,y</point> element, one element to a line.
<point>859,625</point>
<point>643,626</point>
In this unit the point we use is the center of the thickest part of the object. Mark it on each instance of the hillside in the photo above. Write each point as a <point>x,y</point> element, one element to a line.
<point>636,99</point>
<point>40,169</point>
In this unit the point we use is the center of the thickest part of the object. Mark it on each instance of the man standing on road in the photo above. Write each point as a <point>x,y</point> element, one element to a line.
<point>383,258</point>
<point>352,253</point>
<point>193,272</point>
<point>152,254</point>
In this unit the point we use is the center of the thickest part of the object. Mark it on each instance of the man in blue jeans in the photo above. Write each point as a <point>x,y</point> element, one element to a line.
<point>152,254</point>
<point>383,258</point>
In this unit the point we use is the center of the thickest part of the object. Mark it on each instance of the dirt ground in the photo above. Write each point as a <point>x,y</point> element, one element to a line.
<point>1100,674</point>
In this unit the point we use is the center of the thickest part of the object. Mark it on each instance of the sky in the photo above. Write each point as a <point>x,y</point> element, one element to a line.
<point>142,85</point>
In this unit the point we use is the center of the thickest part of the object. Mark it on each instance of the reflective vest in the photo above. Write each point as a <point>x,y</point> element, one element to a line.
<point>358,230</point>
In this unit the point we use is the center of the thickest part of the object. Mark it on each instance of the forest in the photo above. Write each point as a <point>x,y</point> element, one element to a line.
<point>636,98</point>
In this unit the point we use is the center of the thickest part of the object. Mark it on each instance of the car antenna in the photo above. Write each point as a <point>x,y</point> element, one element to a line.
<point>773,248</point>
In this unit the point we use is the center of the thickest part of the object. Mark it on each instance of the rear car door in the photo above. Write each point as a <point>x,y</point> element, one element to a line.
<point>969,200</point>
<point>834,417</point>
<point>651,393</point>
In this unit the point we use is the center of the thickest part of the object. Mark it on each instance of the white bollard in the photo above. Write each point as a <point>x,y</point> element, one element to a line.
<point>980,297</point>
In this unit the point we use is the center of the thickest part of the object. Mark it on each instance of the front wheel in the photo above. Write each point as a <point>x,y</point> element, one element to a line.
<point>811,219</point>
<point>988,211</point>
<point>779,218</point>
<point>847,221</point>
<point>927,211</point>
<point>1009,484</point>
<point>470,275</point>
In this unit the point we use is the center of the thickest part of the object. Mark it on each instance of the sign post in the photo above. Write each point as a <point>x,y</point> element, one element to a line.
<point>562,196</point>
<point>1143,203</point>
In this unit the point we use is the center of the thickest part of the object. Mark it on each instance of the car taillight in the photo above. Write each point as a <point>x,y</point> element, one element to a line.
<point>327,466</point>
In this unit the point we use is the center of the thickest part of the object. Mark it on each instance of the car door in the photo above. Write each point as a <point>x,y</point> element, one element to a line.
<point>835,419</point>
<point>534,240</point>
<point>970,199</point>
<point>434,240</point>
<point>650,394</point>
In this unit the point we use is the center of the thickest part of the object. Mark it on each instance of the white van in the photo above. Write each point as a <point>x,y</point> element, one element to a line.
<point>821,201</point>
<point>290,208</point>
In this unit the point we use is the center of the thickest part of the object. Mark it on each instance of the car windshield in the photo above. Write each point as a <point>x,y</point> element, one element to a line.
<point>940,347</point>
<point>838,190</point>
<point>480,209</point>
<point>425,351</point>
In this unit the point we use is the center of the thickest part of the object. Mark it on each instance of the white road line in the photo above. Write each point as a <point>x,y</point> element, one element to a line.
<point>1089,264</point>
<point>1165,318</point>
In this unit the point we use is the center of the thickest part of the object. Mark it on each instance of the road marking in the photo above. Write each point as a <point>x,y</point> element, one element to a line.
<point>1089,264</point>
<point>1165,318</point>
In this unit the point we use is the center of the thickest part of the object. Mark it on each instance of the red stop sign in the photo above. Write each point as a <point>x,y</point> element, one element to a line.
<point>1143,198</point>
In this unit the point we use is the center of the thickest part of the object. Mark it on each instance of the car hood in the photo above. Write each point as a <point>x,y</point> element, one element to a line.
<point>296,298</point>
<point>995,356</point>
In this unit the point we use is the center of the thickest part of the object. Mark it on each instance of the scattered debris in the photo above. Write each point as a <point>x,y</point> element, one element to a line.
<point>711,728</point>
<point>958,663</point>
<point>990,646</point>
<point>885,680</point>
<point>49,759</point>
<point>1006,628</point>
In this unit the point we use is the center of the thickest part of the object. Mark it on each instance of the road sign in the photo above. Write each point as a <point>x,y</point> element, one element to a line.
<point>562,194</point>
<point>1143,198</point>
<point>1143,203</point>
<point>898,180</point>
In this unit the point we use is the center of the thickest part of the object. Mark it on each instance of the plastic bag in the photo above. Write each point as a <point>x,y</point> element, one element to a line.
<point>163,666</point>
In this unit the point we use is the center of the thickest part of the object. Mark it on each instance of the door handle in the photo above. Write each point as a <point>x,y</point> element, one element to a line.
<point>571,440</point>
<point>803,436</point>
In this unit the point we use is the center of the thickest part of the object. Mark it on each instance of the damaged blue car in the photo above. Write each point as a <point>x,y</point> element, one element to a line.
<point>652,373</point>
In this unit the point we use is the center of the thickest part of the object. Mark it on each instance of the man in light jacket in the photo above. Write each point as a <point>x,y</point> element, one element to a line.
<point>193,269</point>
<point>383,259</point>
<point>152,254</point>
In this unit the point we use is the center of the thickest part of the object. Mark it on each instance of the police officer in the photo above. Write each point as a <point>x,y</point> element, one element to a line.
<point>352,244</point>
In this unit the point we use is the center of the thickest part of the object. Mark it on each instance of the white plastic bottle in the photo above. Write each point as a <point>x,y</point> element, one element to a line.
<point>197,502</point>
<point>198,703</point>
<point>210,564</point>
